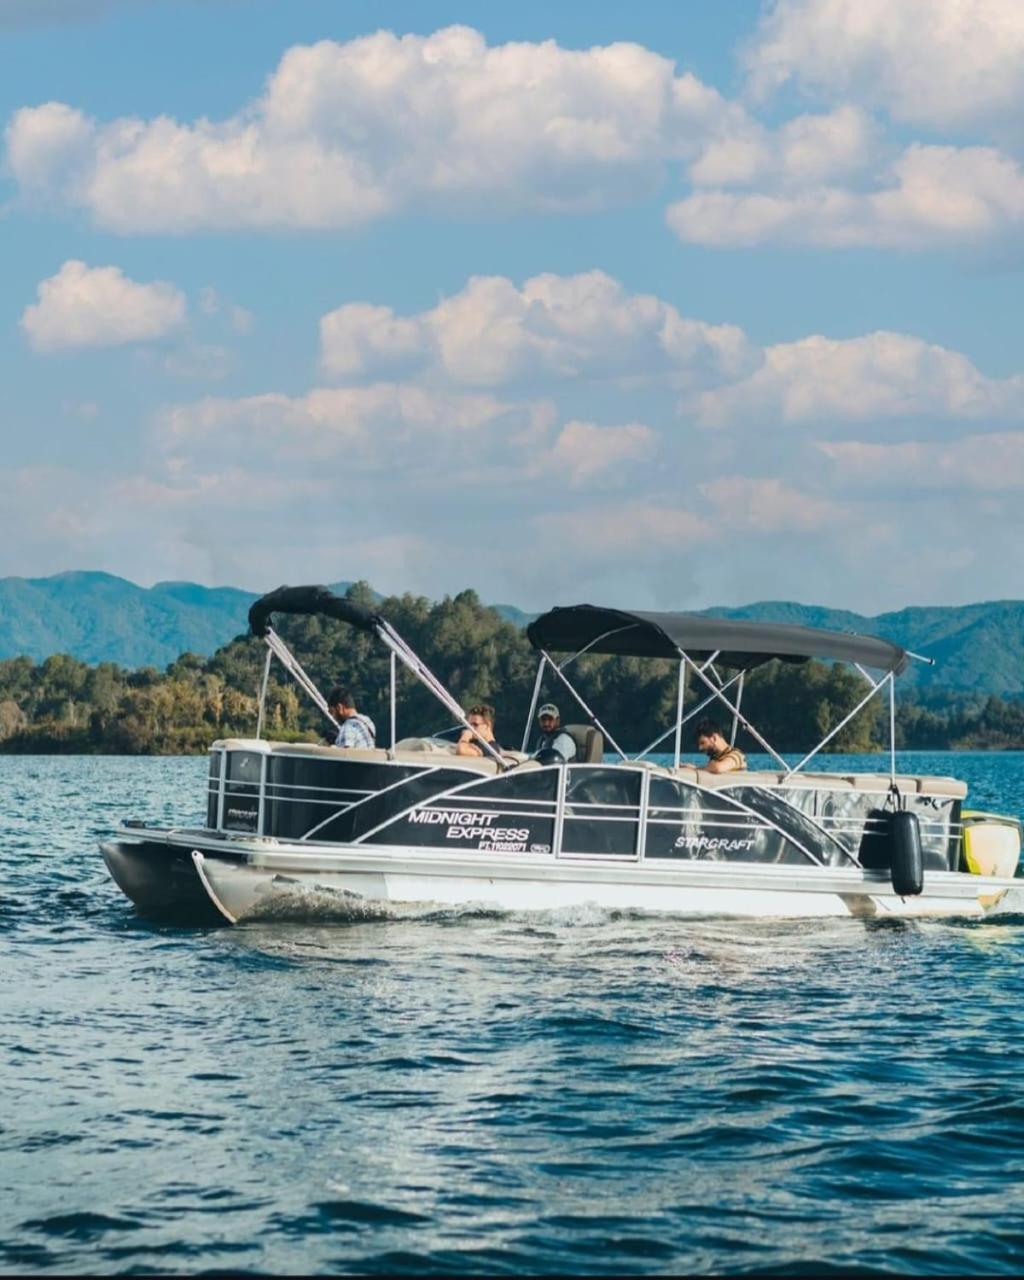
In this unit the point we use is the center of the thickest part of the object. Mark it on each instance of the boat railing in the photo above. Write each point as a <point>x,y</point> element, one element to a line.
<point>608,810</point>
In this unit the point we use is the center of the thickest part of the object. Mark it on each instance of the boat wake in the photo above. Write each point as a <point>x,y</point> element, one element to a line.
<point>321,904</point>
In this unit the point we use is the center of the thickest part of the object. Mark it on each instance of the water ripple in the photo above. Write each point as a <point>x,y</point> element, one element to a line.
<point>426,1092</point>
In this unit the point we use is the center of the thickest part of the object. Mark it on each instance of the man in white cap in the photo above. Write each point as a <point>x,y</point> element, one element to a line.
<point>552,736</point>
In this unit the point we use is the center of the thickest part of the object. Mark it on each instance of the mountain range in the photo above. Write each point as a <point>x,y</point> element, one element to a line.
<point>97,617</point>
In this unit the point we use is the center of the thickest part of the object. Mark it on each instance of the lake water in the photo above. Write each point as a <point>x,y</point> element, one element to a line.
<point>578,1092</point>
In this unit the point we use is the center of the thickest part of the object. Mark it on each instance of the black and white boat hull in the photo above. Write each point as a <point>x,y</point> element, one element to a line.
<point>177,878</point>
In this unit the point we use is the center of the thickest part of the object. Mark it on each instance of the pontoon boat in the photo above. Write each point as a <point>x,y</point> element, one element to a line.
<point>294,829</point>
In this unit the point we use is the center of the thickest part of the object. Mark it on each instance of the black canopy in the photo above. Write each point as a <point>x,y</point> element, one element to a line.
<point>308,600</point>
<point>740,643</point>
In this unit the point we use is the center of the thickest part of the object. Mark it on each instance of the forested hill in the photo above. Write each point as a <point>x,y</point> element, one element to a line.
<point>977,647</point>
<point>65,705</point>
<point>96,617</point>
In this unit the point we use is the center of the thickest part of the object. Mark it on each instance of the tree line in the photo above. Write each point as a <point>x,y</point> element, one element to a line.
<point>63,705</point>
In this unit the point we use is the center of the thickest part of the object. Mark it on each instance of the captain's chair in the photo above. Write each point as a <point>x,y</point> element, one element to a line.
<point>589,743</point>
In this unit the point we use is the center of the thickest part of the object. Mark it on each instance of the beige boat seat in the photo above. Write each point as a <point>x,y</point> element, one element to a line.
<point>736,778</point>
<point>932,786</point>
<point>589,743</point>
<point>372,754</point>
<point>434,745</point>
<point>881,782</point>
<point>443,760</point>
<point>817,781</point>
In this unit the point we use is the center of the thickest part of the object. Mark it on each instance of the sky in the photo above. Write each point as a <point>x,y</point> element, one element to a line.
<point>661,305</point>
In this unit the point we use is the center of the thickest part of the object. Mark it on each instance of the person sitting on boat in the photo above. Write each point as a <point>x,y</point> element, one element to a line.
<point>722,757</point>
<point>481,718</point>
<point>355,730</point>
<point>552,736</point>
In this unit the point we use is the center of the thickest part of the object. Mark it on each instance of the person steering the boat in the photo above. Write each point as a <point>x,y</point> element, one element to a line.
<point>722,758</point>
<point>355,729</point>
<point>481,719</point>
<point>552,736</point>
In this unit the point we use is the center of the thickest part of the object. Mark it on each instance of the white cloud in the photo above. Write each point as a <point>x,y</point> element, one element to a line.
<point>84,306</point>
<point>360,338</point>
<point>160,526</point>
<point>347,132</point>
<point>991,462</point>
<point>878,376</point>
<point>929,62</point>
<point>492,333</point>
<point>197,361</point>
<point>768,505</point>
<point>49,139</point>
<point>622,530</point>
<point>386,424</point>
<point>808,149</point>
<point>585,452</point>
<point>933,196</point>
<point>211,304</point>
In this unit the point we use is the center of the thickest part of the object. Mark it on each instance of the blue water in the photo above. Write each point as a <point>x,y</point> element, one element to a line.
<point>576,1092</point>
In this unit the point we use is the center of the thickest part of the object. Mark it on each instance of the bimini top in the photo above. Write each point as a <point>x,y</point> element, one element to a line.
<point>308,600</point>
<point>739,643</point>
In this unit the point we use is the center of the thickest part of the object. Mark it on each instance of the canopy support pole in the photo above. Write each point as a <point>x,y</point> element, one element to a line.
<point>394,704</point>
<point>680,699</point>
<point>694,711</point>
<point>892,730</point>
<point>845,721</point>
<point>292,665</point>
<point>263,693</point>
<point>390,637</point>
<point>586,710</point>
<point>533,705</point>
<point>736,715</point>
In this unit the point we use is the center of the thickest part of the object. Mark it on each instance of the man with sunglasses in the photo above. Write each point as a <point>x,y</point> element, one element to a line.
<point>481,719</point>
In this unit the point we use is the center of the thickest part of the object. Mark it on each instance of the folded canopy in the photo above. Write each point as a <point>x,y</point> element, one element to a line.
<point>739,643</point>
<point>308,600</point>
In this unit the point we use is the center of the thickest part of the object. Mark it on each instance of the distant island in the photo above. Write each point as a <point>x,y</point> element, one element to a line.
<point>62,702</point>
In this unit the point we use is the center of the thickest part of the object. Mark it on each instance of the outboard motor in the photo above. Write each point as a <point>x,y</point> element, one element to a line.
<point>907,856</point>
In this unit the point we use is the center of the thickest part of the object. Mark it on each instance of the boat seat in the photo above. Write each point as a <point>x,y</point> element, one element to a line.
<point>735,778</point>
<point>328,753</point>
<point>819,781</point>
<point>880,783</point>
<point>443,760</point>
<point>589,743</point>
<point>952,787</point>
<point>433,745</point>
<point>746,777</point>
